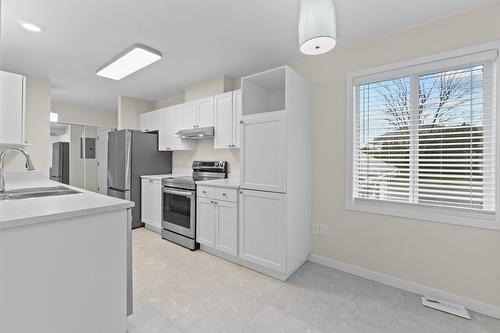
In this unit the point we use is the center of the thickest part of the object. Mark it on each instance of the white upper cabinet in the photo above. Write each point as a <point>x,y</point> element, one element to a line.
<point>190,115</point>
<point>224,121</point>
<point>150,121</point>
<point>170,123</point>
<point>205,112</point>
<point>199,113</point>
<point>12,96</point>
<point>237,108</point>
<point>263,153</point>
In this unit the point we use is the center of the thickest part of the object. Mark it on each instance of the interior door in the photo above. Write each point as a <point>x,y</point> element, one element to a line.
<point>263,152</point>
<point>102,160</point>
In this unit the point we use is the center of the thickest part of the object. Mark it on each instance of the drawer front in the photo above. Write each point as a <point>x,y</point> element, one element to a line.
<point>206,192</point>
<point>227,194</point>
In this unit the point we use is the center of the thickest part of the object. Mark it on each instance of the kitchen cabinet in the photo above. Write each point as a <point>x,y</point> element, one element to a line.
<point>237,112</point>
<point>170,123</point>
<point>150,121</point>
<point>263,229</point>
<point>227,120</point>
<point>205,222</point>
<point>151,196</point>
<point>12,103</point>
<point>217,220</point>
<point>263,151</point>
<point>224,121</point>
<point>199,113</point>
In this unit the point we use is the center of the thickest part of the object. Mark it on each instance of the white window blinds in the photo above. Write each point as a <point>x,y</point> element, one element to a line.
<point>427,137</point>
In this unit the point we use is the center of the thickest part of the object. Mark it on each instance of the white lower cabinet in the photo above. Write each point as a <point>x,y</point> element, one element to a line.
<point>151,196</point>
<point>226,227</point>
<point>263,229</point>
<point>205,222</point>
<point>217,221</point>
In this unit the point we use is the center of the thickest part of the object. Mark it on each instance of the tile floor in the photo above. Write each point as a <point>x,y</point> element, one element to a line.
<point>176,290</point>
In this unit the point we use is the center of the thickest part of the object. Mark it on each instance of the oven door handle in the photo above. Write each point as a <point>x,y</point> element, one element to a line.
<point>182,193</point>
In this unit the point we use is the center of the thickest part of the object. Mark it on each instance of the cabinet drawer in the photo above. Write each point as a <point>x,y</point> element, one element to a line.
<point>227,194</point>
<point>206,192</point>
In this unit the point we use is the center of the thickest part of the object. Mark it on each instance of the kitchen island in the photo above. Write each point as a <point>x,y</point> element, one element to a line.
<point>65,261</point>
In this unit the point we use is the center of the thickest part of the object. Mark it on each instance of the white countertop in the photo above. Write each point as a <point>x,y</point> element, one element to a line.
<point>228,182</point>
<point>16,213</point>
<point>160,177</point>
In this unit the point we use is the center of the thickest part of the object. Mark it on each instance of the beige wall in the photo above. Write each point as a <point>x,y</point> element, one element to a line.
<point>169,101</point>
<point>84,115</point>
<point>461,260</point>
<point>129,109</point>
<point>36,127</point>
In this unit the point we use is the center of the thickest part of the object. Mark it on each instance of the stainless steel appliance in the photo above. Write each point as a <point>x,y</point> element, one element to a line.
<point>59,171</point>
<point>179,202</point>
<point>131,154</point>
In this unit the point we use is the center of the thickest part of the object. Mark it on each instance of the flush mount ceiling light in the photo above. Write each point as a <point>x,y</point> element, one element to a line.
<point>129,61</point>
<point>317,31</point>
<point>30,26</point>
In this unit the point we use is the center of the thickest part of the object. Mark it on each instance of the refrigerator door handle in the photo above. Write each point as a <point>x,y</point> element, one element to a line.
<point>128,148</point>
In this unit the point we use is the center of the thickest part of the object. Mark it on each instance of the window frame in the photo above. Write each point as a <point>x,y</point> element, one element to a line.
<point>478,54</point>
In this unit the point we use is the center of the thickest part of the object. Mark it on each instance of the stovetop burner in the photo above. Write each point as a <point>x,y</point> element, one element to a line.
<point>202,170</point>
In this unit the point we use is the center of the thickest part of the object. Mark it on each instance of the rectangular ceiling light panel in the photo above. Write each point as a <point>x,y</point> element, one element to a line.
<point>128,62</point>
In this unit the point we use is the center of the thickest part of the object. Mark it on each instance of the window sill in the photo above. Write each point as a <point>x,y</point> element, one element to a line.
<point>426,213</point>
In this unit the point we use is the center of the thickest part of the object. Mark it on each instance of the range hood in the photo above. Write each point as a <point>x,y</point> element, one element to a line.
<point>199,133</point>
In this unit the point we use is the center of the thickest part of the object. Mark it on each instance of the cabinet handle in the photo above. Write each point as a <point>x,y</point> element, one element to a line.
<point>241,192</point>
<point>211,202</point>
<point>223,194</point>
<point>204,192</point>
<point>241,122</point>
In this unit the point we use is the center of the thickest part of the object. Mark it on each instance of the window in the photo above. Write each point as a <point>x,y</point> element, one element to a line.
<point>423,140</point>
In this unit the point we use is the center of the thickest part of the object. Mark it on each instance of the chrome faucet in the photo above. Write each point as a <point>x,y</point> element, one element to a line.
<point>3,155</point>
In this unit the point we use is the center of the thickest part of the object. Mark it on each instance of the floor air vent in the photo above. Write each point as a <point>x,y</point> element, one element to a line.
<point>445,306</point>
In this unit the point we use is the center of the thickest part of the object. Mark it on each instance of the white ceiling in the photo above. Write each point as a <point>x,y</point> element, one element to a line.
<point>199,39</point>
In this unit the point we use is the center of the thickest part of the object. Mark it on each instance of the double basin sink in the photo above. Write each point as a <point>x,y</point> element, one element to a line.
<point>37,192</point>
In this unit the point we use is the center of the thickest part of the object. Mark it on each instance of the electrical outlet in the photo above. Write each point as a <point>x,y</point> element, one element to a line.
<point>323,229</point>
<point>315,229</point>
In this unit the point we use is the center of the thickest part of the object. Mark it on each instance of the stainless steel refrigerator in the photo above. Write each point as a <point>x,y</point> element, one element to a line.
<point>59,171</point>
<point>131,154</point>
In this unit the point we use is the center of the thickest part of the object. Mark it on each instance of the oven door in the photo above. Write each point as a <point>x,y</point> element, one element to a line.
<point>178,211</point>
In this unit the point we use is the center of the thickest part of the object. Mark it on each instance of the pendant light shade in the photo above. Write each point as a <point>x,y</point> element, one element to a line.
<point>317,31</point>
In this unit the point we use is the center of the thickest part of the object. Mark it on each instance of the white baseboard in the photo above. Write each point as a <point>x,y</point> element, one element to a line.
<point>487,309</point>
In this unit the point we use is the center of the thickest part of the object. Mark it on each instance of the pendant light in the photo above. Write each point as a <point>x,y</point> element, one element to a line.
<point>317,31</point>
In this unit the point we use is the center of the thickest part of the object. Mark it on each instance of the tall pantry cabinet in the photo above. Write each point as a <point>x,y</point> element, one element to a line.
<point>275,195</point>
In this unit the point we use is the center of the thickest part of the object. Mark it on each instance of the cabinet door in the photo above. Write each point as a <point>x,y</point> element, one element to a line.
<point>224,123</point>
<point>262,229</point>
<point>237,107</point>
<point>226,227</point>
<point>189,115</point>
<point>205,222</point>
<point>165,132</point>
<point>146,203</point>
<point>144,121</point>
<point>154,121</point>
<point>176,121</point>
<point>263,152</point>
<point>156,199</point>
<point>205,112</point>
<point>11,108</point>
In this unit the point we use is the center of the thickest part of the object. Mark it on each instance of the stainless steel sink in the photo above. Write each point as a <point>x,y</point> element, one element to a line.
<point>36,192</point>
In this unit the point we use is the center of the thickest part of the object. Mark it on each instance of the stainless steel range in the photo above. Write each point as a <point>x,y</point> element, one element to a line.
<point>179,202</point>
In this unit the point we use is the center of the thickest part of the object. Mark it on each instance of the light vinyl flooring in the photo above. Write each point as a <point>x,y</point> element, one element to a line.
<point>176,290</point>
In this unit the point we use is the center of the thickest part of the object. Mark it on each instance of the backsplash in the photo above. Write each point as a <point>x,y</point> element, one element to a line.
<point>182,160</point>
